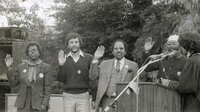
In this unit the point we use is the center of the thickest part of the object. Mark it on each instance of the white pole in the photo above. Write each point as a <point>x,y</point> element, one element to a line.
<point>137,98</point>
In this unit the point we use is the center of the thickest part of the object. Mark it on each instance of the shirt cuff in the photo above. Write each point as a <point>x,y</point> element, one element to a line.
<point>95,61</point>
<point>146,51</point>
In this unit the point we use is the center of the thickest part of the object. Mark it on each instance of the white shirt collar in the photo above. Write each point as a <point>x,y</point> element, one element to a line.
<point>121,62</point>
<point>34,63</point>
<point>80,54</point>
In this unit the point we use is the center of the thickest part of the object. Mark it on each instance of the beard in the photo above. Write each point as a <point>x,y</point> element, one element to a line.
<point>75,49</point>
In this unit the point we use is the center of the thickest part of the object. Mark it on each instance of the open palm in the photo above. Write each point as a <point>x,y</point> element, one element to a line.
<point>8,60</point>
<point>99,52</point>
<point>148,44</point>
<point>61,57</point>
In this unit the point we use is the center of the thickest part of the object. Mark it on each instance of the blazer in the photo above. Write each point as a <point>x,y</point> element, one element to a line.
<point>103,71</point>
<point>41,88</point>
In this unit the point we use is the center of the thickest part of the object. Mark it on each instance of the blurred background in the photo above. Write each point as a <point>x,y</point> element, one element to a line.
<point>99,22</point>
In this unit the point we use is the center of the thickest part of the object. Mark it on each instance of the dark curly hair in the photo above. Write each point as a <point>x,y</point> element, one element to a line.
<point>73,35</point>
<point>190,41</point>
<point>33,43</point>
<point>119,40</point>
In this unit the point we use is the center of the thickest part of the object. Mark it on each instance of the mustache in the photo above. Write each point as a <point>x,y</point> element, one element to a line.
<point>119,52</point>
<point>74,47</point>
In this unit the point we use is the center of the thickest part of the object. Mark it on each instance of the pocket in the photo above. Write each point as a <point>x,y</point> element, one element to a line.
<point>85,95</point>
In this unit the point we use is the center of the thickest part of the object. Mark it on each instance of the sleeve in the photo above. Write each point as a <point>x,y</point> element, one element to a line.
<point>94,71</point>
<point>135,70</point>
<point>144,57</point>
<point>189,79</point>
<point>93,83</point>
<point>94,86</point>
<point>61,74</point>
<point>48,79</point>
<point>13,76</point>
<point>153,66</point>
<point>90,60</point>
<point>173,85</point>
<point>144,77</point>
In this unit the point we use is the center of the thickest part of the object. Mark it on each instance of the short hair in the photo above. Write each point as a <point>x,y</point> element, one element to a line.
<point>190,41</point>
<point>73,35</point>
<point>119,40</point>
<point>173,38</point>
<point>33,43</point>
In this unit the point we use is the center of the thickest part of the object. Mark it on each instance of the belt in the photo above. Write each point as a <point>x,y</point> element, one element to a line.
<point>110,96</point>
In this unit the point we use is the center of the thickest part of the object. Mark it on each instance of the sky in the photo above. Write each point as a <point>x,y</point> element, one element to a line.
<point>43,12</point>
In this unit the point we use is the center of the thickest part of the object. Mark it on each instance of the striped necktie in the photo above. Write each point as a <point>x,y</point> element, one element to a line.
<point>117,68</point>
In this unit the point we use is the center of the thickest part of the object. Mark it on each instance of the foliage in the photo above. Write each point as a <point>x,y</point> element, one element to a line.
<point>159,21</point>
<point>101,22</point>
<point>20,16</point>
<point>191,22</point>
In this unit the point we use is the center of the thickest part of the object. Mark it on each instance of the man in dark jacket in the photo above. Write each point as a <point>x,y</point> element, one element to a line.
<point>169,69</point>
<point>190,78</point>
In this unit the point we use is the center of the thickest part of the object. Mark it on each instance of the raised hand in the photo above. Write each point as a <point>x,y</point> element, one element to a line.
<point>99,52</point>
<point>8,60</point>
<point>148,44</point>
<point>61,58</point>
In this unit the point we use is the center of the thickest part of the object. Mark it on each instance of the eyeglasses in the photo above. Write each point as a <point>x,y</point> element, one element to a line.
<point>32,50</point>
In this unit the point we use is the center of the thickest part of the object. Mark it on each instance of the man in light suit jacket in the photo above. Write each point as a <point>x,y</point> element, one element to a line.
<point>33,78</point>
<point>110,72</point>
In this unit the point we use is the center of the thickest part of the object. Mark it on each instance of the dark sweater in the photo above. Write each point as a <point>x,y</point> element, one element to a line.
<point>172,68</point>
<point>75,76</point>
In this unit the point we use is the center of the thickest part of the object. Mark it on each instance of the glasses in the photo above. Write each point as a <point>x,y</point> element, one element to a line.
<point>32,50</point>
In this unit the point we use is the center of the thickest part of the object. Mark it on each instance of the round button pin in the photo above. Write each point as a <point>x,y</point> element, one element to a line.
<point>24,70</point>
<point>79,71</point>
<point>178,73</point>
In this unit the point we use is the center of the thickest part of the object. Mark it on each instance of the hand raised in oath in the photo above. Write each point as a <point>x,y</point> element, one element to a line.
<point>8,60</point>
<point>61,58</point>
<point>99,52</point>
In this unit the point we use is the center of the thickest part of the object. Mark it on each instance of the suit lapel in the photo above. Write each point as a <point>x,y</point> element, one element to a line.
<point>38,70</point>
<point>124,70</point>
<point>25,71</point>
<point>108,68</point>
